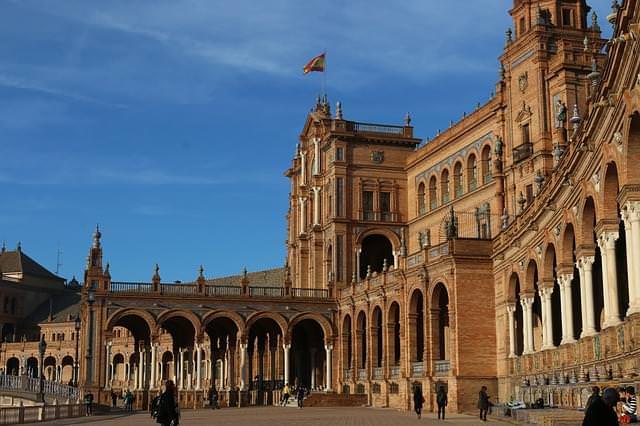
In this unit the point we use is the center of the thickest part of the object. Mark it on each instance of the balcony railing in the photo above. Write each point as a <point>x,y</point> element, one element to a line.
<point>348,374</point>
<point>417,368</point>
<point>362,374</point>
<point>179,289</point>
<point>377,128</point>
<point>266,291</point>
<point>223,290</point>
<point>522,152</point>
<point>442,367</point>
<point>378,373</point>
<point>377,216</point>
<point>395,371</point>
<point>312,293</point>
<point>128,287</point>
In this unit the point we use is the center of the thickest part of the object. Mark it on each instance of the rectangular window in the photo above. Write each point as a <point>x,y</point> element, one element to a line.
<point>339,154</point>
<point>526,136</point>
<point>529,194</point>
<point>385,206</point>
<point>567,17</point>
<point>339,255</point>
<point>367,204</point>
<point>339,196</point>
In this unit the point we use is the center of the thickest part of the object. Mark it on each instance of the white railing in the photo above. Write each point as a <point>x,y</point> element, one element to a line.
<point>442,367</point>
<point>417,368</point>
<point>39,413</point>
<point>32,385</point>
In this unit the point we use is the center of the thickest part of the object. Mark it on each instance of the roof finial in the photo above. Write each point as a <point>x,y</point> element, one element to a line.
<point>339,110</point>
<point>594,22</point>
<point>201,271</point>
<point>19,246</point>
<point>96,237</point>
<point>509,35</point>
<point>4,246</point>
<point>407,120</point>
<point>156,275</point>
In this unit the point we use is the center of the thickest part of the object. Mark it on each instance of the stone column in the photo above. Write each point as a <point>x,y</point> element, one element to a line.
<point>357,268</point>
<point>631,217</point>
<point>303,214</point>
<point>303,168</point>
<point>107,382</point>
<point>180,369</point>
<point>327,377</point>
<point>243,366</point>
<point>511,310</point>
<point>585,264</point>
<point>143,366</point>
<point>316,158</point>
<point>607,243</point>
<point>153,381</point>
<point>161,365</point>
<point>567,309</point>
<point>286,347</point>
<point>313,367</point>
<point>547,319</point>
<point>527,310</point>
<point>199,367</point>
<point>316,205</point>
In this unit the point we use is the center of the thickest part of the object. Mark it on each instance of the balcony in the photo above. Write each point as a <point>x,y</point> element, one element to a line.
<point>348,374</point>
<point>417,369</point>
<point>442,367</point>
<point>522,152</point>
<point>378,216</point>
<point>395,371</point>
<point>362,374</point>
<point>378,373</point>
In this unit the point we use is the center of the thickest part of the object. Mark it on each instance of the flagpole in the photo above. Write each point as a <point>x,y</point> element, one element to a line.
<point>324,74</point>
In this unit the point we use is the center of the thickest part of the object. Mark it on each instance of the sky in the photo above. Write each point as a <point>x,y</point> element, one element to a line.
<point>170,123</point>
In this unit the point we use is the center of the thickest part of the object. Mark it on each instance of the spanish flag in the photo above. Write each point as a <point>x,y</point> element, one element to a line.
<point>316,64</point>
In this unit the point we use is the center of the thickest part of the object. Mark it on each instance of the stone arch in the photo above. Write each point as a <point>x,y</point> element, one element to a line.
<point>394,331</point>
<point>377,333</point>
<point>566,247</point>
<point>416,325</point>
<point>433,192</point>
<point>361,339</point>
<point>422,200</point>
<point>391,236</point>
<point>346,332</point>
<point>120,314</point>
<point>324,323</point>
<point>236,318</point>
<point>189,316</point>
<point>439,318</point>
<point>445,186</point>
<point>377,250</point>
<point>485,159</point>
<point>549,262</point>
<point>610,187</point>
<point>588,219</point>
<point>633,148</point>
<point>472,170</point>
<point>279,319</point>
<point>458,179</point>
<point>531,276</point>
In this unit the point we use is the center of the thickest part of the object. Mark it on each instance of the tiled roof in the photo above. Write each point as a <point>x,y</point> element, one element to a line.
<point>18,261</point>
<point>63,307</point>
<point>267,278</point>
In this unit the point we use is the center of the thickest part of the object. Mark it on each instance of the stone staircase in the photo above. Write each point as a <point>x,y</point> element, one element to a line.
<point>549,417</point>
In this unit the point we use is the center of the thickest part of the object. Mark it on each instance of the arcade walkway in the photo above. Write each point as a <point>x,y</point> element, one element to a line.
<point>270,416</point>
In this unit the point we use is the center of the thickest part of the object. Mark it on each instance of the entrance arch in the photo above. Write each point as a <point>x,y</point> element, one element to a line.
<point>440,322</point>
<point>416,326</point>
<point>13,366</point>
<point>265,337</point>
<point>307,354</point>
<point>393,334</point>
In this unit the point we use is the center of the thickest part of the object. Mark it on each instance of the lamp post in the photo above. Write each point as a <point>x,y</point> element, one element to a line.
<point>76,367</point>
<point>91,298</point>
<point>42,347</point>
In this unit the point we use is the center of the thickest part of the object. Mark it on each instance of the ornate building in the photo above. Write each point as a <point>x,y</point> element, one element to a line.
<point>503,252</point>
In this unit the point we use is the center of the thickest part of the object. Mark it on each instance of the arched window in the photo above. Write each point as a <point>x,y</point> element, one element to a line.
<point>472,172</point>
<point>486,165</point>
<point>433,189</point>
<point>457,180</point>
<point>445,186</point>
<point>422,207</point>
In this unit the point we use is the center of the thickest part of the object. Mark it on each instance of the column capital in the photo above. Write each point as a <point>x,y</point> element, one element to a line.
<point>511,307</point>
<point>286,346</point>
<point>328,347</point>
<point>545,292</point>
<point>526,301</point>
<point>607,239</point>
<point>566,278</point>
<point>632,209</point>
<point>586,262</point>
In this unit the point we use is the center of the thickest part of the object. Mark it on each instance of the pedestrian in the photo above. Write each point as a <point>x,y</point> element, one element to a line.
<point>300,394</point>
<point>128,401</point>
<point>441,400</point>
<point>114,399</point>
<point>88,401</point>
<point>629,407</point>
<point>213,398</point>
<point>168,410</point>
<point>418,400</point>
<point>483,403</point>
<point>285,395</point>
<point>595,394</point>
<point>602,412</point>
<point>155,406</point>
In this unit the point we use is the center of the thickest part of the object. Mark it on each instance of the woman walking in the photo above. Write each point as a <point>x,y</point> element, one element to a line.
<point>168,411</point>
<point>441,399</point>
<point>483,403</point>
<point>418,400</point>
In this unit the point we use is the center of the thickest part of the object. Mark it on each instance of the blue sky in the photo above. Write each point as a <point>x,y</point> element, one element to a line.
<point>171,123</point>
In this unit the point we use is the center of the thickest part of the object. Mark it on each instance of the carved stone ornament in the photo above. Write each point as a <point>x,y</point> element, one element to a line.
<point>377,156</point>
<point>596,181</point>
<point>556,230</point>
<point>617,140</point>
<point>523,81</point>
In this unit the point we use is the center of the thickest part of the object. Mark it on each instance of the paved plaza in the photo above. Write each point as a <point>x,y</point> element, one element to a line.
<point>274,416</point>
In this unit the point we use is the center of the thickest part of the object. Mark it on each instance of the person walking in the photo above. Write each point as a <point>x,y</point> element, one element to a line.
<point>483,403</point>
<point>128,401</point>
<point>630,405</point>
<point>213,398</point>
<point>285,395</point>
<point>168,411</point>
<point>595,394</point>
<point>301,392</point>
<point>418,400</point>
<point>114,399</point>
<point>88,402</point>
<point>441,400</point>
<point>602,412</point>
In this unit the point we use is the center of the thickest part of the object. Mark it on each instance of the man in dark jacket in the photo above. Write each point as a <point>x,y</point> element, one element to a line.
<point>595,394</point>
<point>602,412</point>
<point>418,400</point>
<point>483,403</point>
<point>441,400</point>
